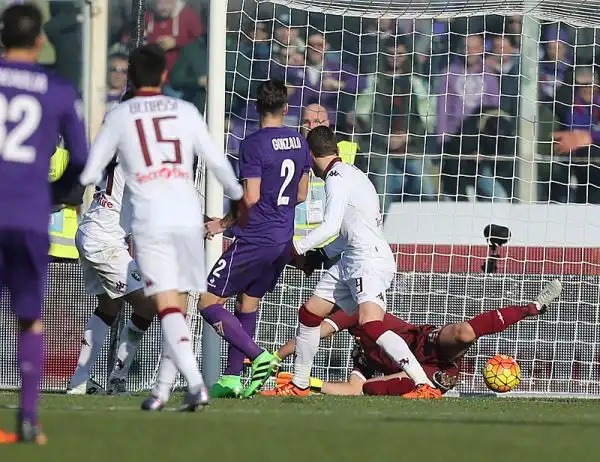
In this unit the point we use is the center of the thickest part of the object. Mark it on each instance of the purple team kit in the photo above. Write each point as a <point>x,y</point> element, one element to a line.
<point>279,156</point>
<point>39,106</point>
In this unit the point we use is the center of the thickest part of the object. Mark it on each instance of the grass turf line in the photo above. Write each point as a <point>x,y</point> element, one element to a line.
<point>319,429</point>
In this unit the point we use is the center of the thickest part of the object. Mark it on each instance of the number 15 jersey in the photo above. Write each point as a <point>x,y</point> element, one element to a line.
<point>156,138</point>
<point>279,156</point>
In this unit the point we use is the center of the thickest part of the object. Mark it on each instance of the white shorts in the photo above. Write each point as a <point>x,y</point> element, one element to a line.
<point>171,260</point>
<point>107,267</point>
<point>367,286</point>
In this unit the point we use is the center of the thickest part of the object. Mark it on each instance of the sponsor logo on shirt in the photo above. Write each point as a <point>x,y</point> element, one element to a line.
<point>165,173</point>
<point>103,201</point>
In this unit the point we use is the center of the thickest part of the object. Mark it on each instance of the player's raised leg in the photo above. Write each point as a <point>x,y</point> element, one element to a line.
<point>455,339</point>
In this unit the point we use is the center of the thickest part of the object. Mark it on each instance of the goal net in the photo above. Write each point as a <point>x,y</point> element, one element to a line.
<point>453,106</point>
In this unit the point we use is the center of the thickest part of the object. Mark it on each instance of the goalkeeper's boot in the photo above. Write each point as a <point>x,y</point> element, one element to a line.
<point>152,403</point>
<point>30,432</point>
<point>424,391</point>
<point>262,368</point>
<point>289,389</point>
<point>194,399</point>
<point>547,295</point>
<point>228,386</point>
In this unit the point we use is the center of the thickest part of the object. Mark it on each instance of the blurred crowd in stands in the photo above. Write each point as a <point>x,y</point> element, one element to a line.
<point>434,105</point>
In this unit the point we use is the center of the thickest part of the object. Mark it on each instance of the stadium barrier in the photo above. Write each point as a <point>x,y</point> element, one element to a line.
<point>559,353</point>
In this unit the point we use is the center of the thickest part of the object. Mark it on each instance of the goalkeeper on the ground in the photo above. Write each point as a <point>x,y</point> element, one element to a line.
<point>439,349</point>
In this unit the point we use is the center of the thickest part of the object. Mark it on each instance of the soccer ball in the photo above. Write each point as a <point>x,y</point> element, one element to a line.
<point>501,374</point>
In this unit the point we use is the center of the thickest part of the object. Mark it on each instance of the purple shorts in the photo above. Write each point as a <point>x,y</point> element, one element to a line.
<point>249,269</point>
<point>23,269</point>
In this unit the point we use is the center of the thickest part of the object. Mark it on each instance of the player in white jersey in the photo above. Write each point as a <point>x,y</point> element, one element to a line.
<point>111,274</point>
<point>361,276</point>
<point>158,138</point>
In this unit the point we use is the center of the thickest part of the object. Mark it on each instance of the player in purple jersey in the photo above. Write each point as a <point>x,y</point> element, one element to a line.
<point>35,106</point>
<point>274,165</point>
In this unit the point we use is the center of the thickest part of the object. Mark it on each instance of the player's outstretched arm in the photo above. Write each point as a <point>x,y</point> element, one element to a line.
<point>335,207</point>
<point>103,150</point>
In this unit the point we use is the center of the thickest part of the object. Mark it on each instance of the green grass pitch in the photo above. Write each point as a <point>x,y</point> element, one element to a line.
<point>318,429</point>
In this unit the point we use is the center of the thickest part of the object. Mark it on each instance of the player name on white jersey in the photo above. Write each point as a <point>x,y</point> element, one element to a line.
<point>287,143</point>
<point>157,138</point>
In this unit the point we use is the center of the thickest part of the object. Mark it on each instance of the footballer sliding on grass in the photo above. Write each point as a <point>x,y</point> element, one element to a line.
<point>439,349</point>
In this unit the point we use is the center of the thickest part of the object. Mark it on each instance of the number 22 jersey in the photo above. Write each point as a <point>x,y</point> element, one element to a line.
<point>279,156</point>
<point>157,139</point>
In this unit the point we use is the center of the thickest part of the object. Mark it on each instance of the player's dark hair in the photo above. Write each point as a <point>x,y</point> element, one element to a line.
<point>146,66</point>
<point>322,142</point>
<point>271,97</point>
<point>20,26</point>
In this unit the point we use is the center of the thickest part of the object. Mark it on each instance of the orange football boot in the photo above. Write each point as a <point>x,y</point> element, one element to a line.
<point>289,389</point>
<point>8,438</point>
<point>424,391</point>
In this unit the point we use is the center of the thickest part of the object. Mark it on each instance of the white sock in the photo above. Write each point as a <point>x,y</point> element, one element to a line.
<point>167,372</point>
<point>178,340</point>
<point>307,345</point>
<point>128,344</point>
<point>93,339</point>
<point>397,349</point>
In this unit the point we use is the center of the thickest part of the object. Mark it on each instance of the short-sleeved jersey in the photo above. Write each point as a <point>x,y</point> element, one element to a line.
<point>279,156</point>
<point>102,220</point>
<point>35,107</point>
<point>419,338</point>
<point>157,138</point>
<point>352,210</point>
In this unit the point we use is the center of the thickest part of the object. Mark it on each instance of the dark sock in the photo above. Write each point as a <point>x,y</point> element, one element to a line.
<point>492,322</point>
<point>228,326</point>
<point>31,353</point>
<point>235,358</point>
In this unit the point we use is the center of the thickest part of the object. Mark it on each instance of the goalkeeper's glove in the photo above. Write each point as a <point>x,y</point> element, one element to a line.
<point>311,261</point>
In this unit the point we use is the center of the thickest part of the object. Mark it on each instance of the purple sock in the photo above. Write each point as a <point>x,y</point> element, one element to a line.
<point>235,358</point>
<point>227,325</point>
<point>31,353</point>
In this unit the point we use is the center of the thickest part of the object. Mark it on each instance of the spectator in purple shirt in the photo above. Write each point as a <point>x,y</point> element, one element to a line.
<point>326,79</point>
<point>581,141</point>
<point>469,88</point>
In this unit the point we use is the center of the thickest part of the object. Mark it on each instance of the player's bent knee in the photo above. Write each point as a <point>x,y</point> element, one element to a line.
<point>309,319</point>
<point>368,312</point>
<point>208,299</point>
<point>247,304</point>
<point>108,307</point>
<point>167,300</point>
<point>318,306</point>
